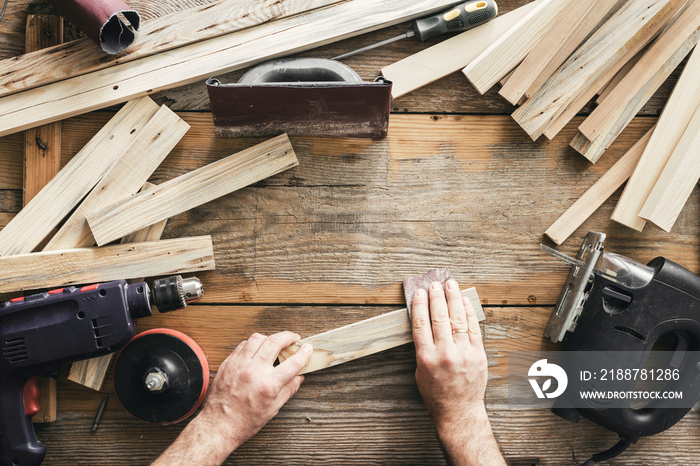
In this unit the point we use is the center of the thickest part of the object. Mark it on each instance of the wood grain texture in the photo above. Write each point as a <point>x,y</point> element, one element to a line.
<point>629,102</point>
<point>157,35</point>
<point>43,213</point>
<point>363,338</point>
<point>193,189</point>
<point>441,59</point>
<point>92,372</point>
<point>201,60</point>
<point>127,175</point>
<point>597,194</point>
<point>554,46</point>
<point>677,180</point>
<point>93,265</point>
<point>511,48</point>
<point>620,75</point>
<point>629,29</point>
<point>671,126</point>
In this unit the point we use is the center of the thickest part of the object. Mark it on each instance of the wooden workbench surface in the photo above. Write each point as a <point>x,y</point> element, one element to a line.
<point>457,183</point>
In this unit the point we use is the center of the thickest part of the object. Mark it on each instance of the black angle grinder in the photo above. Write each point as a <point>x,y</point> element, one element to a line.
<point>161,376</point>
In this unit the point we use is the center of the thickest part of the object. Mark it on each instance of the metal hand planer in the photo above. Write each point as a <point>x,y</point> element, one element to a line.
<point>302,97</point>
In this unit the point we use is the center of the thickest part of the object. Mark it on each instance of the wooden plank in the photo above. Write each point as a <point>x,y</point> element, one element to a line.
<point>552,40</point>
<point>620,75</point>
<point>597,194</point>
<point>157,35</point>
<point>5,218</point>
<point>672,124</point>
<point>43,213</point>
<point>677,180</point>
<point>193,189</point>
<point>590,21</point>
<point>92,372</point>
<point>125,178</point>
<point>625,111</point>
<point>93,265</point>
<point>507,51</point>
<point>42,145</point>
<point>363,338</point>
<point>628,29</point>
<point>664,54</point>
<point>201,60</point>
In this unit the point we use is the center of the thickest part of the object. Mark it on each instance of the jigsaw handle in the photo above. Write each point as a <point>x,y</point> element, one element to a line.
<point>17,438</point>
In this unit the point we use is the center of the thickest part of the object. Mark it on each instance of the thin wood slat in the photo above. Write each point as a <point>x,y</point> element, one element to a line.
<point>43,213</point>
<point>597,194</point>
<point>157,35</point>
<point>594,149</point>
<point>363,338</point>
<point>92,372</point>
<point>201,60</point>
<point>511,48</point>
<point>672,123</point>
<point>126,177</point>
<point>626,30</point>
<point>608,120</point>
<point>553,39</point>
<point>38,270</point>
<point>677,180</point>
<point>193,189</point>
<point>620,75</point>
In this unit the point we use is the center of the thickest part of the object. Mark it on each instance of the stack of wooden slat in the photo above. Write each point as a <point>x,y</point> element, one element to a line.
<point>565,52</point>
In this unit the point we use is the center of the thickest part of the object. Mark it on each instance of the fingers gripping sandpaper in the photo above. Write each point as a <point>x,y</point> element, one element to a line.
<point>410,285</point>
<point>100,20</point>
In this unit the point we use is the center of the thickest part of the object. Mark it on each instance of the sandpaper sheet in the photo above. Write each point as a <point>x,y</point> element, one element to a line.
<point>410,285</point>
<point>101,21</point>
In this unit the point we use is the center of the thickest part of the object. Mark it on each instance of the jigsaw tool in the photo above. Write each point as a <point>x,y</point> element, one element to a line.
<point>42,332</point>
<point>612,310</point>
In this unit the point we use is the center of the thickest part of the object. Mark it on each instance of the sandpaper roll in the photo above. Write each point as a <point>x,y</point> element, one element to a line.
<point>100,21</point>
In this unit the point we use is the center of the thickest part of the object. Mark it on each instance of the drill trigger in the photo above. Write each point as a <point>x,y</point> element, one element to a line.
<point>31,396</point>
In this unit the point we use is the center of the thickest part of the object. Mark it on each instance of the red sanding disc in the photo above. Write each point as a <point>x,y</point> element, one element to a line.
<point>171,361</point>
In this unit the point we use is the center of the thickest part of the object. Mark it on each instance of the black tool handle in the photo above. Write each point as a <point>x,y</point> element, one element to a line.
<point>19,444</point>
<point>457,19</point>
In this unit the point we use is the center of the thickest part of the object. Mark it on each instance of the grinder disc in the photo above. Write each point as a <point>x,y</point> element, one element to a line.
<point>161,376</point>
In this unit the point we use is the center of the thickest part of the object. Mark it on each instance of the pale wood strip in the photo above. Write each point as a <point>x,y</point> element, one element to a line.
<point>201,60</point>
<point>627,30</point>
<point>92,265</point>
<point>155,36</point>
<point>555,44</point>
<point>677,180</point>
<point>92,372</point>
<point>363,338</point>
<point>451,54</point>
<point>601,11</point>
<point>619,76</point>
<point>193,189</point>
<point>672,123</point>
<point>508,50</point>
<point>594,149</point>
<point>127,175</point>
<point>597,194</point>
<point>43,213</point>
<point>667,51</point>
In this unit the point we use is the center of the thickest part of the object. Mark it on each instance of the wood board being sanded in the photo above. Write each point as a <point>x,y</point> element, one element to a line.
<point>60,196</point>
<point>157,35</point>
<point>93,265</point>
<point>438,61</point>
<point>363,338</point>
<point>201,60</point>
<point>193,189</point>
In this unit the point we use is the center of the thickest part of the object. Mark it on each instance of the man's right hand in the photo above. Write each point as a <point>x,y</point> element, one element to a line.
<point>451,373</point>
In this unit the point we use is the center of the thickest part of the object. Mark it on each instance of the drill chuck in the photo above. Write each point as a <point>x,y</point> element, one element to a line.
<point>173,293</point>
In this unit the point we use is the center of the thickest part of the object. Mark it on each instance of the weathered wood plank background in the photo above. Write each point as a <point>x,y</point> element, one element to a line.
<point>455,184</point>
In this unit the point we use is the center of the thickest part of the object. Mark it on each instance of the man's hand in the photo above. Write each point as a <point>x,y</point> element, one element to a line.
<point>452,373</point>
<point>246,393</point>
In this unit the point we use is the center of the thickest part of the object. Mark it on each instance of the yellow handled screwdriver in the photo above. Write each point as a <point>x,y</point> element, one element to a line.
<point>459,18</point>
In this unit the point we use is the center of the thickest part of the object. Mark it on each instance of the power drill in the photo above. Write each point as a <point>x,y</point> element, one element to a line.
<point>41,332</point>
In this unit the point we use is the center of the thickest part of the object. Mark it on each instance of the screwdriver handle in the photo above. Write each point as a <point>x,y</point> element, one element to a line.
<point>457,19</point>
